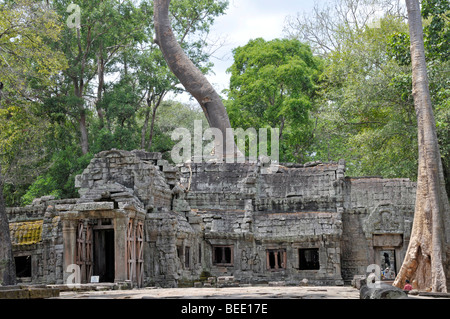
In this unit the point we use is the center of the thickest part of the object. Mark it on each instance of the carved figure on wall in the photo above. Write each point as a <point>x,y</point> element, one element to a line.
<point>256,264</point>
<point>244,260</point>
<point>384,219</point>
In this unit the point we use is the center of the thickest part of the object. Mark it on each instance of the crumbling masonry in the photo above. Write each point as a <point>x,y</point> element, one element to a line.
<point>143,221</point>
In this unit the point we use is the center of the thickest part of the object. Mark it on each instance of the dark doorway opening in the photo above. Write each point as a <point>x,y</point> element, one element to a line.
<point>388,264</point>
<point>23,266</point>
<point>309,259</point>
<point>104,255</point>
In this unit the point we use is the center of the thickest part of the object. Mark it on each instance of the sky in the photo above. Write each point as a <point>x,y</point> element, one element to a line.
<point>245,20</point>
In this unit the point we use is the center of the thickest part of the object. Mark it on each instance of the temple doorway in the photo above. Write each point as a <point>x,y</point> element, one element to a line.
<point>104,254</point>
<point>388,264</point>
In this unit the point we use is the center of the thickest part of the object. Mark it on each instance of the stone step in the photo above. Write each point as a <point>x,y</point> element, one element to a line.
<point>28,292</point>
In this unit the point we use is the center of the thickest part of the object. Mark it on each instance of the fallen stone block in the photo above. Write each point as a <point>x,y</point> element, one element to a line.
<point>358,281</point>
<point>304,282</point>
<point>198,284</point>
<point>381,291</point>
<point>18,292</point>
<point>225,279</point>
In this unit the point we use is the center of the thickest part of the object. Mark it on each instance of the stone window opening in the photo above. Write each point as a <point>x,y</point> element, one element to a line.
<point>276,259</point>
<point>23,266</point>
<point>223,255</point>
<point>309,259</point>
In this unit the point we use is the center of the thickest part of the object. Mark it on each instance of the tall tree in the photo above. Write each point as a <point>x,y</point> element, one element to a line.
<point>273,83</point>
<point>426,262</point>
<point>365,112</point>
<point>106,27</point>
<point>190,76</point>
<point>7,266</point>
<point>191,24</point>
<point>331,23</point>
<point>436,30</point>
<point>27,28</point>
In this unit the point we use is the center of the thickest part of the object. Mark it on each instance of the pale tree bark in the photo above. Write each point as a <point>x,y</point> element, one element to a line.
<point>153,103</point>
<point>7,266</point>
<point>426,260</point>
<point>101,84</point>
<point>190,76</point>
<point>78,91</point>
<point>152,124</point>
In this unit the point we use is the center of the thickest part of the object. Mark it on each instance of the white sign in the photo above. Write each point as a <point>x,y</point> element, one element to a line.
<point>95,279</point>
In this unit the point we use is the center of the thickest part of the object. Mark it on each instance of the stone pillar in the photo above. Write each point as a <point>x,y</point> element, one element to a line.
<point>70,245</point>
<point>120,242</point>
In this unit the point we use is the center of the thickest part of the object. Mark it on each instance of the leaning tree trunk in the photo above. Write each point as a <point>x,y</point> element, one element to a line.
<point>189,75</point>
<point>426,260</point>
<point>7,266</point>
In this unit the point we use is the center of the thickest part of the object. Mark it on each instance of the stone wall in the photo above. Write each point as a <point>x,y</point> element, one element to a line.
<point>375,208</point>
<point>264,224</point>
<point>45,249</point>
<point>299,206</point>
<point>137,170</point>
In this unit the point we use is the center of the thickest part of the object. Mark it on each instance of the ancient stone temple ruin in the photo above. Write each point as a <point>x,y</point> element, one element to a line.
<point>141,220</point>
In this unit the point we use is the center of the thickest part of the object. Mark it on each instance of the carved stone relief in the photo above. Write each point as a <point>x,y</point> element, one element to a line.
<point>384,219</point>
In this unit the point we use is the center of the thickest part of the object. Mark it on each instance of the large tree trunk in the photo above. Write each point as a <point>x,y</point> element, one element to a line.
<point>101,84</point>
<point>78,91</point>
<point>84,133</point>
<point>7,266</point>
<point>189,75</point>
<point>145,126</point>
<point>426,260</point>
<point>152,124</point>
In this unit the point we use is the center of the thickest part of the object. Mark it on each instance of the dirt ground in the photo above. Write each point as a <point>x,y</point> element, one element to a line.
<point>256,292</point>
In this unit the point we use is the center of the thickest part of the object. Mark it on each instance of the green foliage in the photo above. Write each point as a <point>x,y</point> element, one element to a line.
<point>59,180</point>
<point>44,185</point>
<point>173,115</point>
<point>367,113</point>
<point>28,62</point>
<point>436,23</point>
<point>436,15</point>
<point>273,85</point>
<point>193,18</point>
<point>121,102</point>
<point>399,48</point>
<point>437,31</point>
<point>27,27</point>
<point>51,71</point>
<point>354,104</point>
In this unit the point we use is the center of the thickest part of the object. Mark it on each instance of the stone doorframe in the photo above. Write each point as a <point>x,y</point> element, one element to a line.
<point>392,242</point>
<point>128,226</point>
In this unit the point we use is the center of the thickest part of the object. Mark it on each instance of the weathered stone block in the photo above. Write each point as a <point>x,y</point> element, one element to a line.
<point>383,291</point>
<point>94,206</point>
